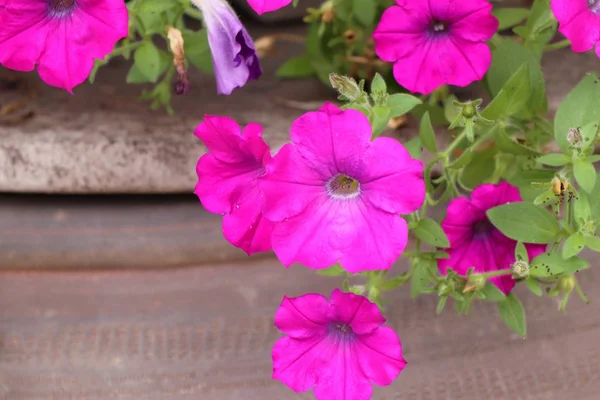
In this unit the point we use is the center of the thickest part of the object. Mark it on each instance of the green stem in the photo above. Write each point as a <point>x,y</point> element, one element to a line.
<point>581,294</point>
<point>500,272</point>
<point>445,155</point>
<point>558,45</point>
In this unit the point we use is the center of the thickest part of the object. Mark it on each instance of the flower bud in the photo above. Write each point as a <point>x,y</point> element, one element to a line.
<point>474,282</point>
<point>327,16</point>
<point>469,111</point>
<point>264,45</point>
<point>444,289</point>
<point>520,269</point>
<point>345,86</point>
<point>574,137</point>
<point>566,284</point>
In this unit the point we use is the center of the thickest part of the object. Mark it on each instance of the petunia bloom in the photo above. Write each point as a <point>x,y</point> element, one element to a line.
<point>435,43</point>
<point>61,37</point>
<point>234,57</point>
<point>336,195</point>
<point>263,6</point>
<point>475,242</point>
<point>227,180</point>
<point>579,21</point>
<point>338,348</point>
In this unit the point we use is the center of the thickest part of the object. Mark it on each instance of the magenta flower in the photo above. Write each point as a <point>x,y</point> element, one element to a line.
<point>336,194</point>
<point>234,58</point>
<point>435,43</point>
<point>263,6</point>
<point>475,242</point>
<point>579,21</point>
<point>63,37</point>
<point>227,180</point>
<point>338,348</point>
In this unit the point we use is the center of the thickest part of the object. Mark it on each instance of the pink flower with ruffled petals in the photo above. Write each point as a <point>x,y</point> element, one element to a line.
<point>475,242</point>
<point>228,180</point>
<point>337,347</point>
<point>579,21</point>
<point>263,6</point>
<point>435,43</point>
<point>336,195</point>
<point>63,37</point>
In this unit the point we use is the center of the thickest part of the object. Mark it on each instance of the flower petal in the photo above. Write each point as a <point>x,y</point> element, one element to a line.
<point>456,10</point>
<point>299,363</point>
<point>380,355</point>
<point>23,34</point>
<point>357,311</point>
<point>234,57</point>
<point>263,6</point>
<point>289,185</point>
<point>108,19</point>
<point>477,26</point>
<point>400,31</point>
<point>460,217</point>
<point>583,30</point>
<point>488,196</point>
<point>396,187</point>
<point>303,316</point>
<point>244,226</point>
<point>331,139</point>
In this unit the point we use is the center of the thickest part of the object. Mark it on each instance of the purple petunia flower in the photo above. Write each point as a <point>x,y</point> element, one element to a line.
<point>234,57</point>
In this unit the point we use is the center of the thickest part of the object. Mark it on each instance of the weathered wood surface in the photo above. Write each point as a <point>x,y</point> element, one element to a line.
<point>206,333</point>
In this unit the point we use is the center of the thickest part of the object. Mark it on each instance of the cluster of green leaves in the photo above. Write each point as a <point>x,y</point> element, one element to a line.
<point>339,41</point>
<point>510,139</point>
<point>147,44</point>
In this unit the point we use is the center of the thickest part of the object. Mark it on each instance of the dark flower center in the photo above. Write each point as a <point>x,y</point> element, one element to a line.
<point>343,187</point>
<point>341,331</point>
<point>482,228</point>
<point>594,6</point>
<point>437,28</point>
<point>60,8</point>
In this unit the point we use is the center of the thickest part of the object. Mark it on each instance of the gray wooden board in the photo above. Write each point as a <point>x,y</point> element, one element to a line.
<point>207,332</point>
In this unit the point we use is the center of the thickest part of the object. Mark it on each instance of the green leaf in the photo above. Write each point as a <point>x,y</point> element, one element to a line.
<point>197,49</point>
<point>581,208</point>
<point>296,67</point>
<point>148,61</point>
<point>451,112</point>
<point>553,265</point>
<point>524,222</point>
<point>480,168</point>
<point>523,180</point>
<point>534,286</point>
<point>464,159</point>
<point>506,144</point>
<point>573,245</point>
<point>507,59</point>
<point>150,23</point>
<point>155,6</point>
<point>521,252</point>
<point>497,107</point>
<point>135,75</point>
<point>585,174</point>
<point>589,133</point>
<point>544,197</point>
<point>334,270</point>
<point>401,103</point>
<point>593,242</point>
<point>427,134</point>
<point>554,159</point>
<point>365,12</point>
<point>580,107</point>
<point>414,147</point>
<point>512,312</point>
<point>396,281</point>
<point>492,293</point>
<point>421,277</point>
<point>378,84</point>
<point>381,117</point>
<point>509,16</point>
<point>431,232</point>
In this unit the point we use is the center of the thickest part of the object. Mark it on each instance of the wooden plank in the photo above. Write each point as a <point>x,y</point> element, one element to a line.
<point>206,333</point>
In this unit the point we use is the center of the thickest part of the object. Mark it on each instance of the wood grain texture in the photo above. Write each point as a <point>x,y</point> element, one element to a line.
<point>206,333</point>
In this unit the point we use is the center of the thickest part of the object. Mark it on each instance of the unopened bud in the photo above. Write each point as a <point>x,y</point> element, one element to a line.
<point>327,16</point>
<point>444,289</point>
<point>474,282</point>
<point>566,284</point>
<point>345,86</point>
<point>350,36</point>
<point>264,45</point>
<point>469,111</point>
<point>574,137</point>
<point>520,269</point>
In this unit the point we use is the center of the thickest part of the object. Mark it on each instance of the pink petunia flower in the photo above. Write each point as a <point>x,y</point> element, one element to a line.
<point>227,180</point>
<point>475,242</point>
<point>579,21</point>
<point>63,37</point>
<point>336,194</point>
<point>263,6</point>
<point>338,348</point>
<point>435,43</point>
